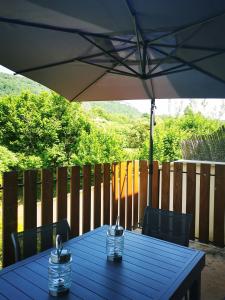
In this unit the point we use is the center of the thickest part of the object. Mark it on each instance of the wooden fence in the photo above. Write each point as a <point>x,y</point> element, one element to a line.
<point>94,195</point>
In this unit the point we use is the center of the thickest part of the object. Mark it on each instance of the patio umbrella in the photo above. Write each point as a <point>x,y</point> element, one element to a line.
<point>89,50</point>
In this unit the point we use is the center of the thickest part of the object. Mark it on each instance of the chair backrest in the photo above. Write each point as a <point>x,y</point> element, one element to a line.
<point>167,225</point>
<point>30,242</point>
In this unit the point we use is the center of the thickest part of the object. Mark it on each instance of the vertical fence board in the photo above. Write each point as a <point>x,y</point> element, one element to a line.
<point>177,187</point>
<point>135,193</point>
<point>106,193</point>
<point>46,196</point>
<point>9,216</point>
<point>123,170</point>
<point>61,193</point>
<point>97,195</point>
<point>219,205</point>
<point>143,187</point>
<point>10,195</point>
<point>30,210</point>
<point>115,191</point>
<point>129,194</point>
<point>190,195</point>
<point>155,185</point>
<point>165,185</point>
<point>75,201</point>
<point>86,198</point>
<point>30,199</point>
<point>46,206</point>
<point>204,203</point>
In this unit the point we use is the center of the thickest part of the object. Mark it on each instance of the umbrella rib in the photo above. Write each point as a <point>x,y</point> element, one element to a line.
<point>189,47</point>
<point>164,72</point>
<point>109,54</point>
<point>63,29</point>
<point>116,64</point>
<point>136,29</point>
<point>108,68</point>
<point>193,66</point>
<point>175,49</point>
<point>145,53</point>
<point>186,27</point>
<point>168,72</point>
<point>93,82</point>
<point>80,58</point>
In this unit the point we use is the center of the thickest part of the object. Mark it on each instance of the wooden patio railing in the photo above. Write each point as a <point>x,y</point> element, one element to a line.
<point>94,195</point>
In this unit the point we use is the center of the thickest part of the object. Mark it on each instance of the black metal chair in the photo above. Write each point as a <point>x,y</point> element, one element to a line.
<point>167,225</point>
<point>30,242</point>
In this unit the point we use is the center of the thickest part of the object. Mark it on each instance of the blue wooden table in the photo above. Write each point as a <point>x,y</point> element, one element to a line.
<point>151,269</point>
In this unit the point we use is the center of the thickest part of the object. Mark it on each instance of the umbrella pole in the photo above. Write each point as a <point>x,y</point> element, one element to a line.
<point>151,144</point>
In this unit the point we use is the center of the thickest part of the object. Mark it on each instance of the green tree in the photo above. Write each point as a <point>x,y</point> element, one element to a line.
<point>41,125</point>
<point>98,147</point>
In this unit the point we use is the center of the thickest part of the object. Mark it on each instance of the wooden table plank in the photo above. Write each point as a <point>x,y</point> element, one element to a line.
<point>11,291</point>
<point>151,269</point>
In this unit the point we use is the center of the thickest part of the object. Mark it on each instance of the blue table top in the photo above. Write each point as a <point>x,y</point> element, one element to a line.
<point>150,269</point>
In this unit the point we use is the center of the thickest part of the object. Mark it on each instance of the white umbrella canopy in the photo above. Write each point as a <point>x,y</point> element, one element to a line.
<point>115,50</point>
<point>89,50</point>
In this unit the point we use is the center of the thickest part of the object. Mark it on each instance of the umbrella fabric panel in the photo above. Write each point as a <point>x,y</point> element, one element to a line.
<point>68,80</point>
<point>27,47</point>
<point>110,88</point>
<point>165,15</point>
<point>113,50</point>
<point>113,16</point>
<point>98,16</point>
<point>189,84</point>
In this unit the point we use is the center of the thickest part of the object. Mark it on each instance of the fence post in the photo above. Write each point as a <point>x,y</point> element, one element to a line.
<point>123,171</point>
<point>61,193</point>
<point>135,192</point>
<point>97,195</point>
<point>106,194</point>
<point>129,193</point>
<point>204,203</point>
<point>75,200</point>
<point>115,191</point>
<point>191,195</point>
<point>46,196</point>
<point>219,206</point>
<point>155,185</point>
<point>9,216</point>
<point>30,199</point>
<point>165,204</point>
<point>143,187</point>
<point>177,187</point>
<point>86,198</point>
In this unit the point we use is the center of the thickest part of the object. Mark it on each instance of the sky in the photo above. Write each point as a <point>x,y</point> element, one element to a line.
<point>214,108</point>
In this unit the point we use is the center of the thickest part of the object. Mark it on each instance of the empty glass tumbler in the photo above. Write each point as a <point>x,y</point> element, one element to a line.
<point>59,271</point>
<point>115,242</point>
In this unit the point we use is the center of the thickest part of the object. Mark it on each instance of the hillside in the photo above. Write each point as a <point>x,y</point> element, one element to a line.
<point>114,107</point>
<point>10,84</point>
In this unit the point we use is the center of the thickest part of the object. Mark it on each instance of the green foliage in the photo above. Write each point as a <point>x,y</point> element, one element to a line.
<point>8,159</point>
<point>97,147</point>
<point>138,133</point>
<point>46,130</point>
<point>169,132</point>
<point>195,123</point>
<point>115,108</point>
<point>14,85</point>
